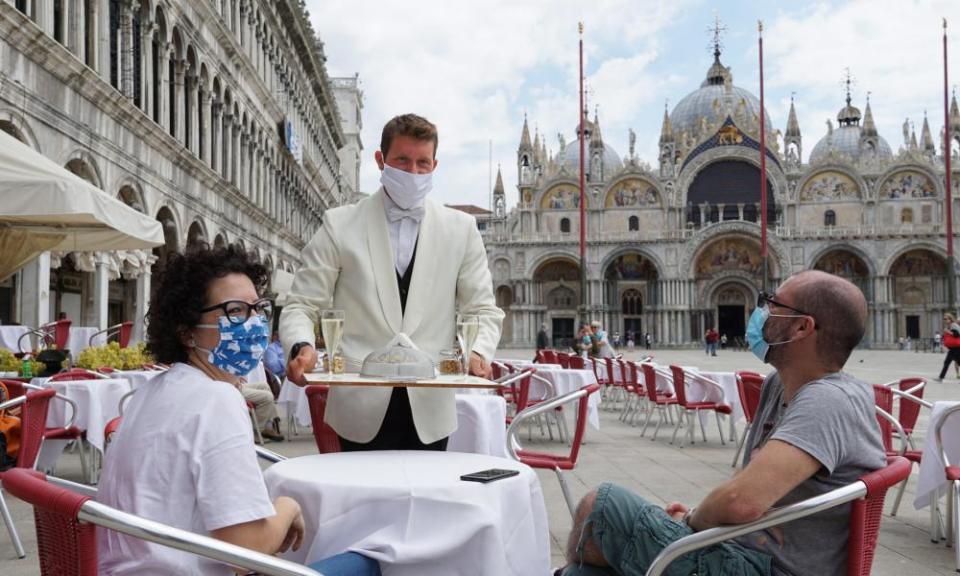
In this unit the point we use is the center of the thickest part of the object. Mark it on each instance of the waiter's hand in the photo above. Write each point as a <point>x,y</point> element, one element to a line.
<point>479,366</point>
<point>302,363</point>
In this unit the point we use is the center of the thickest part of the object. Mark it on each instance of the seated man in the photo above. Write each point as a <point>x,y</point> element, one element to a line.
<point>815,431</point>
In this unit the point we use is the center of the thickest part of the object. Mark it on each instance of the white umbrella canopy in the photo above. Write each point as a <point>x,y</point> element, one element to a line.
<point>45,207</point>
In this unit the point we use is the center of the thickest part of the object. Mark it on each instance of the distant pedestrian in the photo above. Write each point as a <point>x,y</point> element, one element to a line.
<point>648,340</point>
<point>711,338</point>
<point>951,339</point>
<point>543,341</point>
<point>937,347</point>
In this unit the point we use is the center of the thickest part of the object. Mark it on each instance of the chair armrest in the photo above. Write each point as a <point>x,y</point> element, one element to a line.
<point>547,405</point>
<point>938,431</point>
<point>84,489</point>
<point>551,392</point>
<point>13,403</point>
<point>269,455</point>
<point>107,517</point>
<point>705,380</point>
<point>123,401</point>
<point>74,410</point>
<point>712,536</point>
<point>909,397</point>
<point>512,378</point>
<point>896,424</point>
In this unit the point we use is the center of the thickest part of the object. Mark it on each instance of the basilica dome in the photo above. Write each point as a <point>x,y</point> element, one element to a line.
<point>851,139</point>
<point>716,99</point>
<point>570,157</point>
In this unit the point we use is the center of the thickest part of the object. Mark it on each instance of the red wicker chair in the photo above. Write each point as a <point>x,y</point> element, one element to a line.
<point>692,409</point>
<point>749,385</point>
<point>33,421</point>
<point>866,512</point>
<point>325,437</point>
<point>659,401</point>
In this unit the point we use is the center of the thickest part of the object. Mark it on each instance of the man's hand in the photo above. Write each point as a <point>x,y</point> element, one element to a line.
<point>294,535</point>
<point>304,362</point>
<point>479,366</point>
<point>676,510</point>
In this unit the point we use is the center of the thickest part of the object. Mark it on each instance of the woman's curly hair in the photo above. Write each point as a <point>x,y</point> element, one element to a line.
<point>180,293</point>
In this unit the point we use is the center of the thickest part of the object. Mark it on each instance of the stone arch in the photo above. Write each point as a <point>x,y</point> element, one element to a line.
<point>630,287</point>
<point>632,191</point>
<point>14,124</point>
<point>919,277</point>
<point>171,235</point>
<point>504,298</point>
<point>729,182</point>
<point>694,166</point>
<point>730,300</point>
<point>694,247</point>
<point>197,234</point>
<point>129,193</point>
<point>848,263</point>
<point>732,253</point>
<point>220,241</point>
<point>84,165</point>
<point>562,194</point>
<point>500,269</point>
<point>832,182</point>
<point>854,250</point>
<point>902,182</point>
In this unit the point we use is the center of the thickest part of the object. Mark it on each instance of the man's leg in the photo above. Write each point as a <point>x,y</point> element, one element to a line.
<point>348,564</point>
<point>621,533</point>
<point>264,406</point>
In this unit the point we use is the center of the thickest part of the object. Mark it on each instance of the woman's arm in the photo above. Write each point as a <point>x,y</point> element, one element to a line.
<point>268,535</point>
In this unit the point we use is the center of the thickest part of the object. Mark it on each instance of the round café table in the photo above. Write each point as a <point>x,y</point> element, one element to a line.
<point>411,512</point>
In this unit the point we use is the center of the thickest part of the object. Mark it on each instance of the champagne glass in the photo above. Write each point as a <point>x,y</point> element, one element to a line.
<point>468,328</point>
<point>331,324</point>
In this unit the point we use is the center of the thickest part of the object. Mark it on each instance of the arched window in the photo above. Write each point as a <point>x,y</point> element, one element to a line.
<point>631,303</point>
<point>906,217</point>
<point>829,218</point>
<point>113,21</point>
<point>564,225</point>
<point>634,223</point>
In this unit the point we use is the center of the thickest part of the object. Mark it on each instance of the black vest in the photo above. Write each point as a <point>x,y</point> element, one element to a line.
<point>403,282</point>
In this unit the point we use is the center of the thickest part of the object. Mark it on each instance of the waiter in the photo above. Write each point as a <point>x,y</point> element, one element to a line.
<point>393,262</point>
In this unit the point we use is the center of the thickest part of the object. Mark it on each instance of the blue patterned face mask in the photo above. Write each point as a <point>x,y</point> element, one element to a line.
<point>241,345</point>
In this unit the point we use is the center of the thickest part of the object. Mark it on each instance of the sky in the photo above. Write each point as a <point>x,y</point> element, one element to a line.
<point>476,67</point>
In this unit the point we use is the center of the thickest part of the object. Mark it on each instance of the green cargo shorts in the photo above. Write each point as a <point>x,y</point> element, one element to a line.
<point>631,532</point>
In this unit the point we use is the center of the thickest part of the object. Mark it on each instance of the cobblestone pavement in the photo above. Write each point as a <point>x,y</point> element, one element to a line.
<point>657,470</point>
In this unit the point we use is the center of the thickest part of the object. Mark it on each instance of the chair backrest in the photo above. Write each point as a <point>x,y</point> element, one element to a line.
<point>109,430</point>
<point>883,397</point>
<point>679,384</point>
<point>541,358</point>
<point>632,375</point>
<point>582,409</point>
<point>125,330</point>
<point>550,357</point>
<point>15,388</point>
<point>577,362</point>
<point>33,424</point>
<point>563,359</point>
<point>866,513</point>
<point>61,333</point>
<point>611,373</point>
<point>650,380</point>
<point>325,437</point>
<point>66,546</point>
<point>909,412</point>
<point>521,393</point>
<point>749,385</point>
<point>74,374</point>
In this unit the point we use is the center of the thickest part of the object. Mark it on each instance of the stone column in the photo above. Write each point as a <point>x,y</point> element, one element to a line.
<point>34,294</point>
<point>147,30</point>
<point>192,87</point>
<point>143,300</point>
<point>235,156</point>
<point>101,290</point>
<point>216,152</point>
<point>166,49</point>
<point>126,50</point>
<point>740,210</point>
<point>204,126</point>
<point>180,73</point>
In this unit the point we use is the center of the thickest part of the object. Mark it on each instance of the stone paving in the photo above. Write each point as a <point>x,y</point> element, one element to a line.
<point>658,471</point>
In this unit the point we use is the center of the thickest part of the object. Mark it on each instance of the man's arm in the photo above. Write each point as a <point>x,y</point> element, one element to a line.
<point>312,291</point>
<point>772,473</point>
<point>475,296</point>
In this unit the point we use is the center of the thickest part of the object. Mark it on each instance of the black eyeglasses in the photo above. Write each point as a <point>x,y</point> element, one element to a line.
<point>238,311</point>
<point>765,297</point>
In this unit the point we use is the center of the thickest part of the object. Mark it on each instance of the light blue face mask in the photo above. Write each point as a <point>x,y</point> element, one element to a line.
<point>241,345</point>
<point>758,344</point>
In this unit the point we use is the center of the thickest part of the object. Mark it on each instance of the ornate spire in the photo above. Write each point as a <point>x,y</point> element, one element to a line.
<point>793,127</point>
<point>869,126</point>
<point>666,130</point>
<point>596,140</point>
<point>954,112</point>
<point>498,187</point>
<point>849,115</point>
<point>525,135</point>
<point>926,139</point>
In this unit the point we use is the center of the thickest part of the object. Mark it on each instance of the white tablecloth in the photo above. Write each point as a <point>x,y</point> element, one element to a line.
<point>481,419</point>
<point>700,391</point>
<point>411,512</point>
<point>9,335</point>
<point>565,381</point>
<point>136,378</point>
<point>932,476</point>
<point>97,403</point>
<point>79,339</point>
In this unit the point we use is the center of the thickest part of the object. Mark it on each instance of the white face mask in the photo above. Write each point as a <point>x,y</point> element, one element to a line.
<point>406,189</point>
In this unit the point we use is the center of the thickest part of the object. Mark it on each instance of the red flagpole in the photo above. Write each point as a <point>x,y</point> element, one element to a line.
<point>583,196</point>
<point>946,161</point>
<point>763,166</point>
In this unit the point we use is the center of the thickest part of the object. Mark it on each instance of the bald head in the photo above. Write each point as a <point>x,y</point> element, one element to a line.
<point>839,309</point>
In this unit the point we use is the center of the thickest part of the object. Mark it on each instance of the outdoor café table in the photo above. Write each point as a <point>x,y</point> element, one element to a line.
<point>410,511</point>
<point>932,478</point>
<point>564,381</point>
<point>136,378</point>
<point>700,391</point>
<point>10,335</point>
<point>481,419</point>
<point>97,403</point>
<point>79,339</point>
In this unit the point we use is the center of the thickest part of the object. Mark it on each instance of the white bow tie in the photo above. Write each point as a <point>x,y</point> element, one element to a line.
<point>395,213</point>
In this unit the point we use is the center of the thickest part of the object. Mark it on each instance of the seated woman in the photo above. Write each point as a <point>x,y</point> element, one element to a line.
<point>184,454</point>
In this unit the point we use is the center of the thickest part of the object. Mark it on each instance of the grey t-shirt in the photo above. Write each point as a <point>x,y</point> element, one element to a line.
<point>832,419</point>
